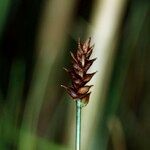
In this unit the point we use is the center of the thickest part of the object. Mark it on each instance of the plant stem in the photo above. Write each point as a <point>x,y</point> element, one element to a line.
<point>78,125</point>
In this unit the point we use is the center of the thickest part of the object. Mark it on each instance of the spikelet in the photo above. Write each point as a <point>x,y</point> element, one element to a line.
<point>81,62</point>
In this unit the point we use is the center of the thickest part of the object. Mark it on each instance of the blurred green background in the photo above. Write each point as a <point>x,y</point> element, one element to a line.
<point>35,40</point>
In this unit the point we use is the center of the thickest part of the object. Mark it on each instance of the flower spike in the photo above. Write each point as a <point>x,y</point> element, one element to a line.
<point>81,62</point>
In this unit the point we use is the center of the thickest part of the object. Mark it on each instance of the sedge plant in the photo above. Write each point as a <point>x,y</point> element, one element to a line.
<point>79,90</point>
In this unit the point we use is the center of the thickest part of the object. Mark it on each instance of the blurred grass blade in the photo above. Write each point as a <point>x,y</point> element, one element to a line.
<point>50,42</point>
<point>4,10</point>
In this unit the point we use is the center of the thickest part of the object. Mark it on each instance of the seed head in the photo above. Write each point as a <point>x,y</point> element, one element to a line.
<point>81,62</point>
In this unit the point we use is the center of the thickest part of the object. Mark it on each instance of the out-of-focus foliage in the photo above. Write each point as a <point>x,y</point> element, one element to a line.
<point>35,39</point>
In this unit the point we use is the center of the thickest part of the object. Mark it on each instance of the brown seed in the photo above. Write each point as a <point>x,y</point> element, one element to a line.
<point>88,64</point>
<point>85,99</point>
<point>77,81</point>
<point>84,90</point>
<point>88,77</point>
<point>70,91</point>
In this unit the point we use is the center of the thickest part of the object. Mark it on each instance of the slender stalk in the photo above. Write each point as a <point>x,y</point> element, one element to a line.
<point>81,62</point>
<point>78,125</point>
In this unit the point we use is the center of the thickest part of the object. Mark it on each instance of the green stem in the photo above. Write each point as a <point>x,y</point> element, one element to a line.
<point>78,125</point>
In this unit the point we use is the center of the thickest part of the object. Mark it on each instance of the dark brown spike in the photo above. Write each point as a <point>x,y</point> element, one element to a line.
<point>78,72</point>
